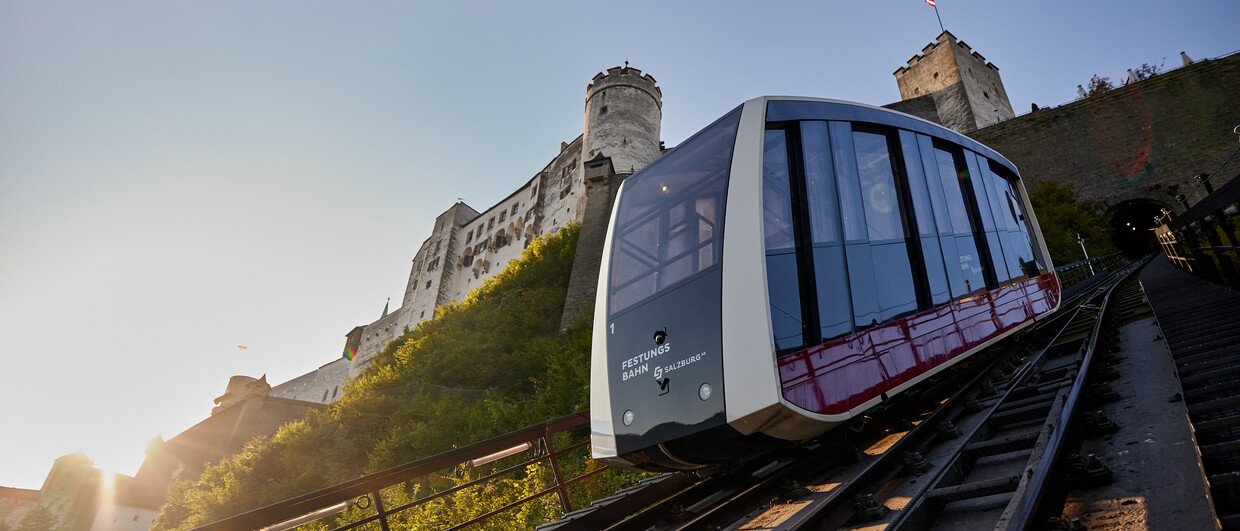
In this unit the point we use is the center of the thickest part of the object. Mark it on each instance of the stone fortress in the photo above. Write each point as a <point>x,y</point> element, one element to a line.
<point>623,112</point>
<point>953,85</point>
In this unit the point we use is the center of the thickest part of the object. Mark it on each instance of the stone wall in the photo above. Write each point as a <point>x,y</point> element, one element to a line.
<point>1141,141</point>
<point>949,106</point>
<point>602,183</point>
<point>321,385</point>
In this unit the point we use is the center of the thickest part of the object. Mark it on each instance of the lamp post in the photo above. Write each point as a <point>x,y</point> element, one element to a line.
<point>1081,241</point>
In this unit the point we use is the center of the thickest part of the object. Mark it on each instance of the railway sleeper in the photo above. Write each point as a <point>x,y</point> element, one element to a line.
<point>1022,414</point>
<point>1031,393</point>
<point>1065,347</point>
<point>1002,445</point>
<point>1039,398</point>
<point>976,489</point>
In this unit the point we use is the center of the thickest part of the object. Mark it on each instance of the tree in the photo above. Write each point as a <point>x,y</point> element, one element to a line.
<point>1146,71</point>
<point>1099,84</point>
<point>1062,216</point>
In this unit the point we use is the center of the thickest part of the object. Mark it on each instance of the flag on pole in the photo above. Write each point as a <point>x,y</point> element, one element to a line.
<point>936,14</point>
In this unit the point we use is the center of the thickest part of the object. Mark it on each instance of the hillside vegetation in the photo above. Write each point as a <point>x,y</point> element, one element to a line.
<point>1062,216</point>
<point>489,364</point>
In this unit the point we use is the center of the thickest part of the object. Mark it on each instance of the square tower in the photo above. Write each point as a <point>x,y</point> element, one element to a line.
<point>966,91</point>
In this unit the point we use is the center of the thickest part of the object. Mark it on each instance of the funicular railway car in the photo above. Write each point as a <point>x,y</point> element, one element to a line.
<point>792,265</point>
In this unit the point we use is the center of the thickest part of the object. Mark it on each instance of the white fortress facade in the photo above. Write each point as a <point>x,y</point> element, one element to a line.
<point>623,112</point>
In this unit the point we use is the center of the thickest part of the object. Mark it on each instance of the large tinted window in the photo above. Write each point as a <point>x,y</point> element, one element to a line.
<point>830,267</point>
<point>927,221</point>
<point>978,182</point>
<point>870,208</point>
<point>1017,245</point>
<point>780,238</point>
<point>949,166</point>
<point>669,217</point>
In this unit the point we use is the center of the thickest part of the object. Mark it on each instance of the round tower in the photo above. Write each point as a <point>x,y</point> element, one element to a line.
<point>623,113</point>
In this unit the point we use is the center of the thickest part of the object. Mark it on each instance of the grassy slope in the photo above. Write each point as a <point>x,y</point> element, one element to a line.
<point>503,338</point>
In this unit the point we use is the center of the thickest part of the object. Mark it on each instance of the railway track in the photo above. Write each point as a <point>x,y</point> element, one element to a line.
<point>990,451</point>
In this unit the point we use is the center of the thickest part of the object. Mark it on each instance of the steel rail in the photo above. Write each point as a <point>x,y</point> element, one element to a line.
<point>1023,514</point>
<point>958,450</point>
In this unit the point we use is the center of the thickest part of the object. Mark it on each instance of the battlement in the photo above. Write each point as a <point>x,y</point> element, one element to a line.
<point>626,76</point>
<point>944,38</point>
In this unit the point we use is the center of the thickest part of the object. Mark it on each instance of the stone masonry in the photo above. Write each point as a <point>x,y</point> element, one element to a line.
<point>951,84</point>
<point>1137,142</point>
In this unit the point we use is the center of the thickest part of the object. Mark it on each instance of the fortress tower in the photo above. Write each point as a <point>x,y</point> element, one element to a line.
<point>623,111</point>
<point>951,84</point>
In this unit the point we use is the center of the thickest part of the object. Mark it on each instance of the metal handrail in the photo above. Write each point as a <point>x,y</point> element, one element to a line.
<point>369,486</point>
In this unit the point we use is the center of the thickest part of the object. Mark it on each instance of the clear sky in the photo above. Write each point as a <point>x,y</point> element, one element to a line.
<point>180,178</point>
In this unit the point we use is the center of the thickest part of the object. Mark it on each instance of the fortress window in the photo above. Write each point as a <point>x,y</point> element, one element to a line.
<point>514,210</point>
<point>985,94</point>
<point>428,284</point>
<point>534,191</point>
<point>491,224</point>
<point>469,236</point>
<point>437,246</point>
<point>324,395</point>
<point>602,110</point>
<point>503,214</point>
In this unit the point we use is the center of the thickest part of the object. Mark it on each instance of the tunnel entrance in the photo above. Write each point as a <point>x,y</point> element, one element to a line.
<point>1132,226</point>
